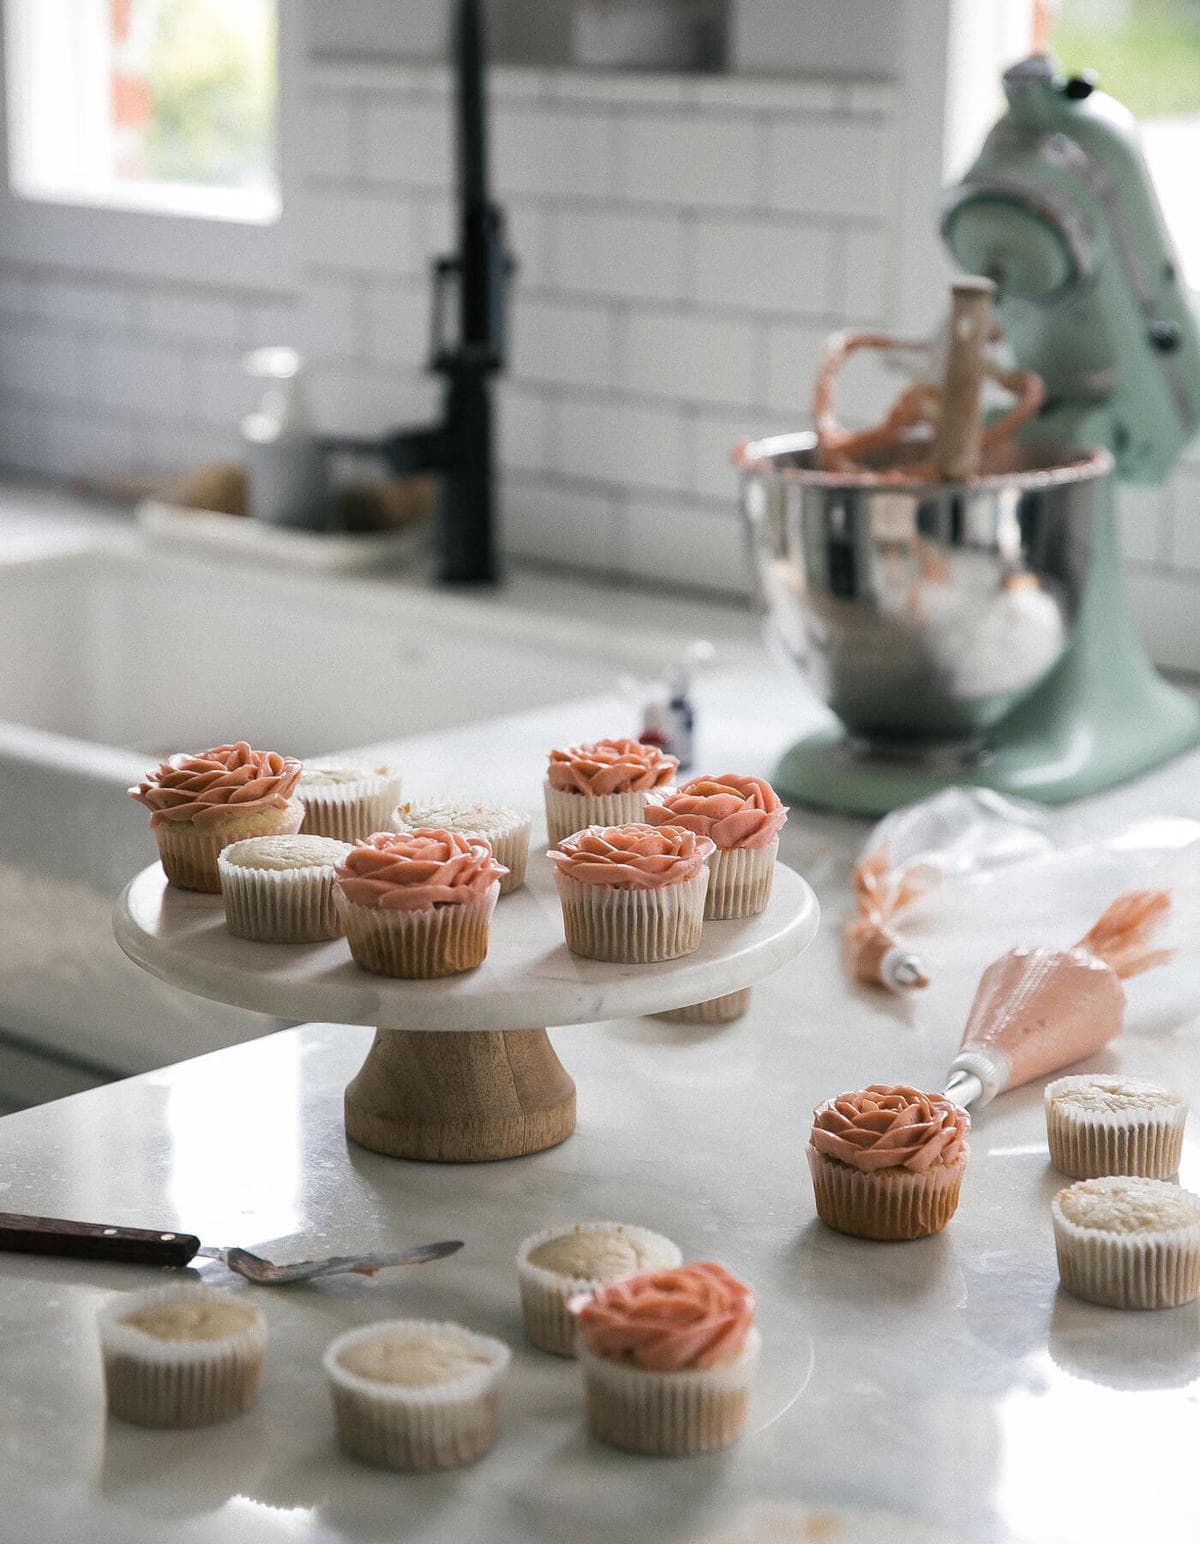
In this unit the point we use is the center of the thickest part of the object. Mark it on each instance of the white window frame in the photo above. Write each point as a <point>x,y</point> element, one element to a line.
<point>181,246</point>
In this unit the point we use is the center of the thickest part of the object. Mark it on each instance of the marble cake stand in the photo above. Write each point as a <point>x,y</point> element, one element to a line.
<point>454,1075</point>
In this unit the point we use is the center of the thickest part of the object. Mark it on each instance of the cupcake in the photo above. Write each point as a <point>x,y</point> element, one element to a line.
<point>742,817</point>
<point>562,1263</point>
<point>507,830</point>
<point>181,1355</point>
<point>347,801</point>
<point>604,783</point>
<point>200,804</point>
<point>410,1394</point>
<point>632,894</point>
<point>417,904</point>
<point>1128,1242</point>
<point>279,889</point>
<point>887,1162</point>
<point>1100,1124</point>
<point>668,1359</point>
<point>716,1010</point>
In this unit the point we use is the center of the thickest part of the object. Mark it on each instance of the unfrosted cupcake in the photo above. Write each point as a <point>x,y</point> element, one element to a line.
<point>1128,1242</point>
<point>560,1263</point>
<point>200,804</point>
<point>603,783</point>
<point>1107,1124</point>
<point>668,1359</point>
<point>181,1355</point>
<point>887,1161</point>
<point>632,894</point>
<point>742,817</point>
<point>507,830</point>
<point>347,800</point>
<point>279,889</point>
<point>413,1394</point>
<point>417,904</point>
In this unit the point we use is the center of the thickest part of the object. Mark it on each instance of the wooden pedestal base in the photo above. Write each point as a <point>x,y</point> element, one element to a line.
<point>460,1098</point>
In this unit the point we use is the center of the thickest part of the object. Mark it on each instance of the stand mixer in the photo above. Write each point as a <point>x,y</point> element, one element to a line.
<point>977,631</point>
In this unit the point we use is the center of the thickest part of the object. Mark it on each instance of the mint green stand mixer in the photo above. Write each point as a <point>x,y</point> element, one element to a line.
<point>978,632</point>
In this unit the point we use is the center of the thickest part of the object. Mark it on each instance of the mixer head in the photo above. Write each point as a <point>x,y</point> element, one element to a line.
<point>1059,210</point>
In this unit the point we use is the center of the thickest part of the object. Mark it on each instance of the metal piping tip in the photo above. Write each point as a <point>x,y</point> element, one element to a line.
<point>908,972</point>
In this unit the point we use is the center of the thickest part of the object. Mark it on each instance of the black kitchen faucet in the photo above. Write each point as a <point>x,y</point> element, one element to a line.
<point>460,447</point>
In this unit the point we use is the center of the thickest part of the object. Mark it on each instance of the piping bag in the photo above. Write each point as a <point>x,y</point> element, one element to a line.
<point>1039,1009</point>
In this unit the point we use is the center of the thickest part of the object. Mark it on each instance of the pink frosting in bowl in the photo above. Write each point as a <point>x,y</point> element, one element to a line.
<point>732,810</point>
<point>610,766</point>
<point>632,857</point>
<point>220,784</point>
<point>417,870</point>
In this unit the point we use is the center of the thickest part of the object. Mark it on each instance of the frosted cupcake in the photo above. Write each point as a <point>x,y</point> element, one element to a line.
<point>345,800</point>
<point>411,1394</point>
<point>200,804</point>
<point>1099,1124</point>
<point>561,1263</point>
<point>279,889</point>
<point>603,783</point>
<point>668,1359</point>
<point>507,830</point>
<point>181,1355</point>
<point>1128,1242</point>
<point>417,904</point>
<point>632,894</point>
<point>742,817</point>
<point>887,1162</point>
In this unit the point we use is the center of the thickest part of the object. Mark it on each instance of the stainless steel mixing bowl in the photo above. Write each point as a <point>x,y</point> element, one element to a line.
<point>922,612</point>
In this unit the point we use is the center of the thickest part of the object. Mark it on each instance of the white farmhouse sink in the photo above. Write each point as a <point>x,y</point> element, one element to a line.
<point>114,655</point>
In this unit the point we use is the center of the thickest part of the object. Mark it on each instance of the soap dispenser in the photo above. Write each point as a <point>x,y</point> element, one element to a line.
<point>285,463</point>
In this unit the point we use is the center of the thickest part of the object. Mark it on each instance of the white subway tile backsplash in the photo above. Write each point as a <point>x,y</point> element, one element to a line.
<point>689,357</point>
<point>42,362</point>
<point>714,436</point>
<point>861,270</point>
<point>613,252</point>
<point>409,143</point>
<point>329,146</point>
<point>761,266</point>
<point>398,323</point>
<point>870,96</point>
<point>793,354</point>
<point>224,392</point>
<point>82,442</point>
<point>620,87</point>
<point>268,322</point>
<point>1184,521</point>
<point>688,543</point>
<point>1164,607</point>
<point>552,523</point>
<point>16,294</point>
<point>705,159</point>
<point>20,434</point>
<point>356,232</point>
<point>562,341</point>
<point>152,379</point>
<point>835,166</point>
<point>89,303</point>
<point>765,94</point>
<point>523,430</point>
<point>370,399</point>
<point>552,150</point>
<point>624,443</point>
<point>188,314</point>
<point>331,323</point>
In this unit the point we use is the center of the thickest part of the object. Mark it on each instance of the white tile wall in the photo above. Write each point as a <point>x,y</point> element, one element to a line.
<point>684,247</point>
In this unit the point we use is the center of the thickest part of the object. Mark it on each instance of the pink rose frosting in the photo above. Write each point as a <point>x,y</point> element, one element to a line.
<point>416,870</point>
<point>632,857</point>
<point>693,1316</point>
<point>610,766</point>
<point>220,784</point>
<point>734,811</point>
<point>884,1127</point>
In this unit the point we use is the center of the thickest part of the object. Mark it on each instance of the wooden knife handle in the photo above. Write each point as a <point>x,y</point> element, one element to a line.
<point>94,1240</point>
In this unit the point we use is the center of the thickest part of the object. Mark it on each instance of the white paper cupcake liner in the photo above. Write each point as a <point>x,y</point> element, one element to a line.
<point>632,927</point>
<point>178,1383</point>
<point>544,1294</point>
<point>285,906</point>
<point>350,812</point>
<point>741,880</point>
<point>717,1010</point>
<point>437,1427</point>
<point>668,1413</point>
<point>889,1205</point>
<point>509,844</point>
<point>189,853</point>
<point>1127,1270</point>
<point>418,945</point>
<point>1087,1144</point>
<point>568,812</point>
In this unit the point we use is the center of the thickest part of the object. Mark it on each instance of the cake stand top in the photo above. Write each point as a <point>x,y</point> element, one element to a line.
<point>528,980</point>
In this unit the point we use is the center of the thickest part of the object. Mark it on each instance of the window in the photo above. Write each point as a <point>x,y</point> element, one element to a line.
<point>162,105</point>
<point>1147,55</point>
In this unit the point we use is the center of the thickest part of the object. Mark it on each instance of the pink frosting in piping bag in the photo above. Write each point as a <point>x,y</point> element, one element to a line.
<point>1039,1009</point>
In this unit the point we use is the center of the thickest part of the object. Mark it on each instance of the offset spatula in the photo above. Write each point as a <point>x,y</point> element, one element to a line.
<point>143,1246</point>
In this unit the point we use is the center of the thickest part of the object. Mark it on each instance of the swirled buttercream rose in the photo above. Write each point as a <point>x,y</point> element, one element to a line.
<point>417,870</point>
<point>224,783</point>
<point>632,857</point>
<point>733,810</point>
<point>691,1317</point>
<point>885,1127</point>
<point>610,766</point>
